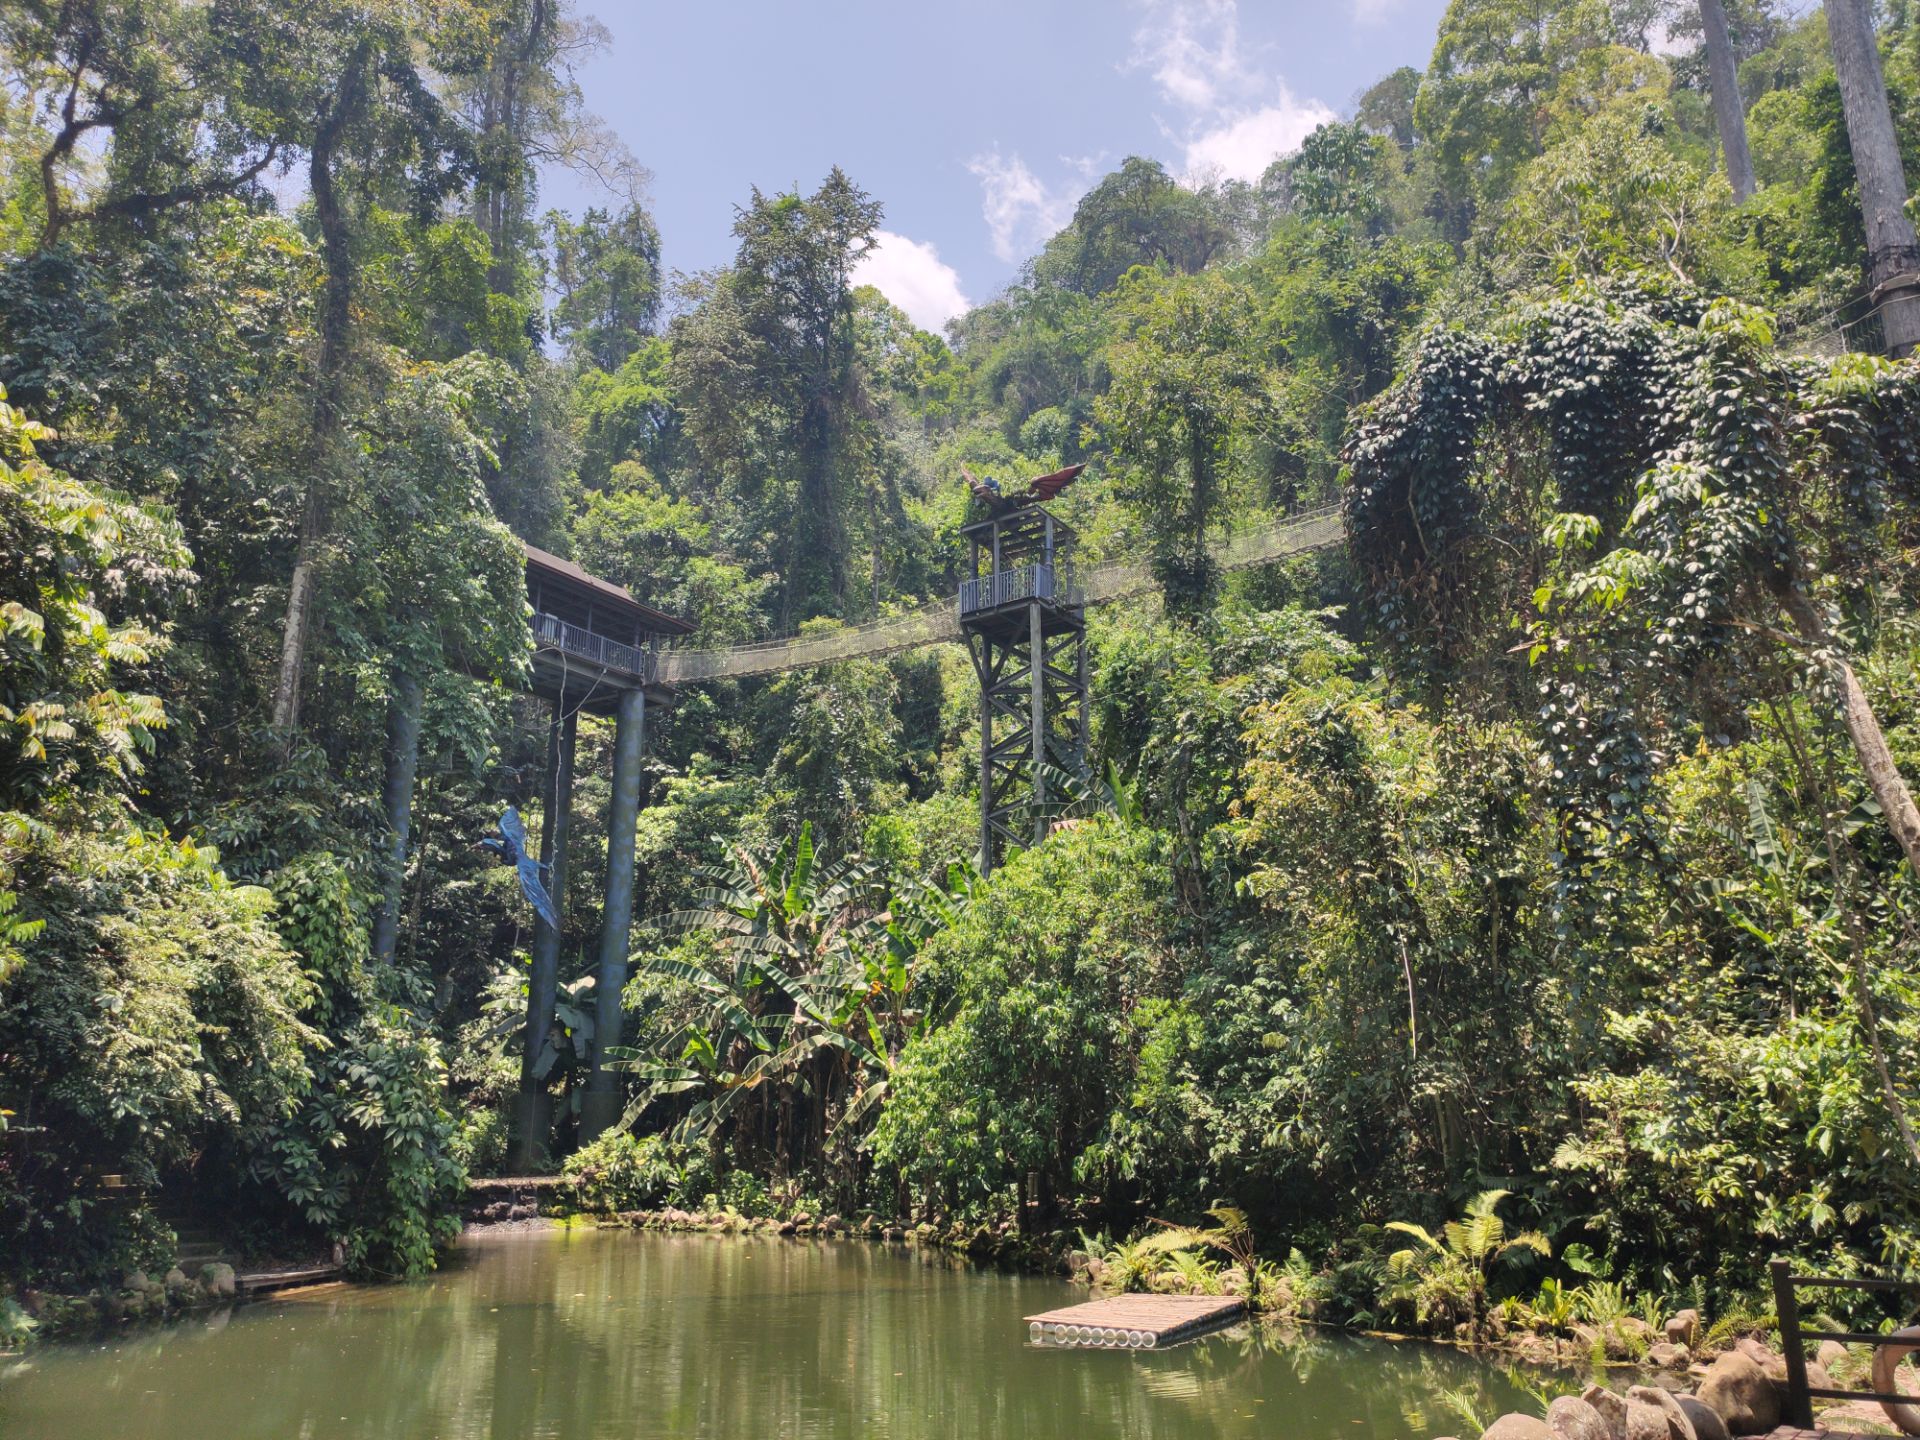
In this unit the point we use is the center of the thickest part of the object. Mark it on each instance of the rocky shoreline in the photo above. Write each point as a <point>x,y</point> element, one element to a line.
<point>136,1297</point>
<point>1740,1391</point>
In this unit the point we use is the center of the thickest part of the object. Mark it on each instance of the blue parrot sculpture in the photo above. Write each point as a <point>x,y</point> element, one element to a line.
<point>511,846</point>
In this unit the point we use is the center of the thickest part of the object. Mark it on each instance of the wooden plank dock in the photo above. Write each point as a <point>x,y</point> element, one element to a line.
<point>1134,1322</point>
<point>252,1284</point>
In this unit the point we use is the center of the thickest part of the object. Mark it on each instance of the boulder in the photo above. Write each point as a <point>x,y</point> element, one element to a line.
<point>1570,1418</point>
<point>217,1280</point>
<point>1755,1350</point>
<point>1517,1427</point>
<point>176,1280</point>
<point>1646,1422</point>
<point>1738,1391</point>
<point>1679,1427</point>
<point>1776,1373</point>
<point>136,1281</point>
<point>1830,1354</point>
<point>1706,1424</point>
<point>1611,1408</point>
<point>1667,1356</point>
<point>1683,1328</point>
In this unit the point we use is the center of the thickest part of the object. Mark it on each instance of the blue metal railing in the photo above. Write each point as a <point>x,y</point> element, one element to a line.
<point>551,632</point>
<point>1010,587</point>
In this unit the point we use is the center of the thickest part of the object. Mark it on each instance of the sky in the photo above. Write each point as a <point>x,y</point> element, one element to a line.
<point>976,125</point>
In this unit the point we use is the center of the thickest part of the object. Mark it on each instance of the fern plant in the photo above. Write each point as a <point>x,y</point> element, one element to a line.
<point>1444,1276</point>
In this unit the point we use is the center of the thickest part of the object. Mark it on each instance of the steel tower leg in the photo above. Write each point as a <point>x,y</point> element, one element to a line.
<point>1033,716</point>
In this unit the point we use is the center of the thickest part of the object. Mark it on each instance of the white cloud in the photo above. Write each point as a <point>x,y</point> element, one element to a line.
<point>1237,113</point>
<point>912,275</point>
<point>1193,49</point>
<point>1375,12</point>
<point>1021,210</point>
<point>1241,148</point>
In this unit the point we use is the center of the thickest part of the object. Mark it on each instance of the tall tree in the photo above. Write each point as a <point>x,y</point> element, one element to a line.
<point>361,93</point>
<point>1893,254</point>
<point>606,273</point>
<point>147,86</point>
<point>1189,389</point>
<point>1729,112</point>
<point>767,369</point>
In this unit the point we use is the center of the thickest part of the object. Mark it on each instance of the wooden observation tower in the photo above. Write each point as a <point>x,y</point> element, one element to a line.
<point>1024,621</point>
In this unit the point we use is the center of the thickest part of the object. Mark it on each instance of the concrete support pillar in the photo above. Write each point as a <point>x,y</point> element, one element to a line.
<point>402,763</point>
<point>533,1107</point>
<point>600,1105</point>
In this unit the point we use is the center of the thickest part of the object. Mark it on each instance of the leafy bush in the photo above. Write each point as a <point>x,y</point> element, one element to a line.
<point>624,1171</point>
<point>158,1015</point>
<point>369,1159</point>
<point>1045,975</point>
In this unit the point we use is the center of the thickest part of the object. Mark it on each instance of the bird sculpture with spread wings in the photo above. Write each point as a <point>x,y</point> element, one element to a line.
<point>1043,487</point>
<point>510,845</point>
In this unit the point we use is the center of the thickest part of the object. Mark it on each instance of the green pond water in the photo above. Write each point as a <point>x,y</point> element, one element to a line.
<point>577,1335</point>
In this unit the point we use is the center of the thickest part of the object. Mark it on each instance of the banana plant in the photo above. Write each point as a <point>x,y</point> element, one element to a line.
<point>800,982</point>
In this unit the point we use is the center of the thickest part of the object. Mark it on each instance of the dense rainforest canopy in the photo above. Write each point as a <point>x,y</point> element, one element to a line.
<point>1545,837</point>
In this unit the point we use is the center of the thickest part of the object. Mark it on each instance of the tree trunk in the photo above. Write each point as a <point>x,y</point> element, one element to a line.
<point>1729,112</point>
<point>323,433</point>
<point>1893,256</point>
<point>402,764</point>
<point>1863,728</point>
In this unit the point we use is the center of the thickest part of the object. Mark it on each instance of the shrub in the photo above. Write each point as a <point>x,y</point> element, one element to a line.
<point>1045,975</point>
<point>157,1015</point>
<point>623,1171</point>
<point>369,1159</point>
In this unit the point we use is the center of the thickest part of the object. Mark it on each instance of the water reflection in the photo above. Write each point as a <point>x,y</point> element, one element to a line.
<point>581,1335</point>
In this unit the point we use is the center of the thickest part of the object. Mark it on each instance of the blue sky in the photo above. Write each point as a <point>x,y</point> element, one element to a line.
<point>976,125</point>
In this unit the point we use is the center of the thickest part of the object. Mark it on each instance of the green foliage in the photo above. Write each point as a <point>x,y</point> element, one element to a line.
<point>1444,1277</point>
<point>622,1171</point>
<point>78,608</point>
<point>782,1004</point>
<point>606,269</point>
<point>1038,987</point>
<point>158,1015</point>
<point>1188,393</point>
<point>368,1159</point>
<point>1512,842</point>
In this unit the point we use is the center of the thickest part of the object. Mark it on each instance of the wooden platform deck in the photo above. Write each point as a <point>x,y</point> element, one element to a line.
<point>252,1284</point>
<point>1134,1322</point>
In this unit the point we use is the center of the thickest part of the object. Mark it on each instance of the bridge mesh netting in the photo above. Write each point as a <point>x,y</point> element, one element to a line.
<point>932,624</point>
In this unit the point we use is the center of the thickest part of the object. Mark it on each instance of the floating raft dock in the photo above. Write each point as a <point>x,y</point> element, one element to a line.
<point>1134,1322</point>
